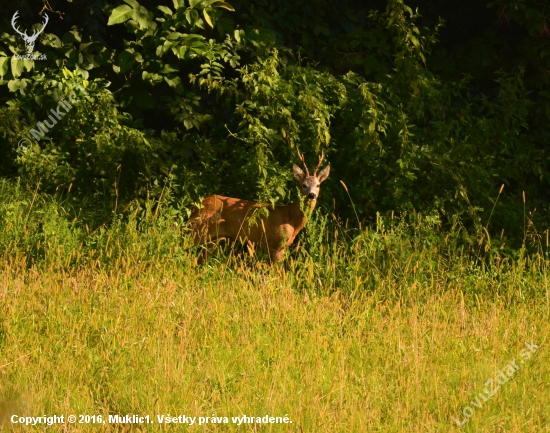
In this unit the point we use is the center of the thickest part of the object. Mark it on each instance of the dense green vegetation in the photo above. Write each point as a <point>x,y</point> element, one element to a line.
<point>426,107</point>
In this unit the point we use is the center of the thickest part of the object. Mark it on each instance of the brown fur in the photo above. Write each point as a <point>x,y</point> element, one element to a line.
<point>222,217</point>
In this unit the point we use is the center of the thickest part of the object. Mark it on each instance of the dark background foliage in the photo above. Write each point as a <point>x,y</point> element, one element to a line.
<point>423,106</point>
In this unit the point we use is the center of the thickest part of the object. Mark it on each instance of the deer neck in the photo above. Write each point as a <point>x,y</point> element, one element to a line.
<point>298,217</point>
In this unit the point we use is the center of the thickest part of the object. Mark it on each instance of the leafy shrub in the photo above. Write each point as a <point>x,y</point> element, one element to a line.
<point>217,101</point>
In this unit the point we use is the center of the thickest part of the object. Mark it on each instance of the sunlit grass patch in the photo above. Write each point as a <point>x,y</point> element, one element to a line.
<point>395,329</point>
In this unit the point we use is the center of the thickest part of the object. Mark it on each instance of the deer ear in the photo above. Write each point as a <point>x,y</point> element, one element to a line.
<point>298,173</point>
<point>323,174</point>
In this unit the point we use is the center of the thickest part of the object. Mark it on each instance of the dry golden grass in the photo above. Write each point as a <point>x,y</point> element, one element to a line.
<point>393,328</point>
<point>163,339</point>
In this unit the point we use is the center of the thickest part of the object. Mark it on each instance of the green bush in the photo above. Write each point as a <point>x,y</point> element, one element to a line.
<point>217,98</point>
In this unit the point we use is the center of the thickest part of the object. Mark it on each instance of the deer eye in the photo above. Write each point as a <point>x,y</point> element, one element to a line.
<point>304,185</point>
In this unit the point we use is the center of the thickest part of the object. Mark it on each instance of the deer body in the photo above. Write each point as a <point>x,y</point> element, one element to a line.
<point>242,220</point>
<point>222,217</point>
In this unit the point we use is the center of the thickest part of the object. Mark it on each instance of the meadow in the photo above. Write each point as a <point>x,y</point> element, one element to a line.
<point>416,298</point>
<point>401,326</point>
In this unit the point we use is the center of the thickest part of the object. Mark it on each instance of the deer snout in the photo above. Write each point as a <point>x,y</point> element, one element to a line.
<point>311,196</point>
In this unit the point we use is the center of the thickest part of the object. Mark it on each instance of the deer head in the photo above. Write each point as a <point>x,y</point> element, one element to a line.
<point>29,40</point>
<point>309,185</point>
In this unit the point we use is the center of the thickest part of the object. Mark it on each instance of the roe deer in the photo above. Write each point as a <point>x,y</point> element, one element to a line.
<point>226,217</point>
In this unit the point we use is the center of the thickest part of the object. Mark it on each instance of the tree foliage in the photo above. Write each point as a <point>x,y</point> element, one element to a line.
<point>414,112</point>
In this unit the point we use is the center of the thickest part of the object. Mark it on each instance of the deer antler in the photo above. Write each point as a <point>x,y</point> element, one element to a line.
<point>13,19</point>
<point>303,160</point>
<point>319,163</point>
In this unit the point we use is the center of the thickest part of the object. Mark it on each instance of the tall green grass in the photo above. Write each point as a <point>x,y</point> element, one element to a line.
<point>391,328</point>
